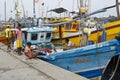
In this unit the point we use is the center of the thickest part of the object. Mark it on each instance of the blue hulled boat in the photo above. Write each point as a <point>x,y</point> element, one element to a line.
<point>86,61</point>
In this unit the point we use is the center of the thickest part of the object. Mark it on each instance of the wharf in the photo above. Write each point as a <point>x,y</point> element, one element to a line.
<point>15,67</point>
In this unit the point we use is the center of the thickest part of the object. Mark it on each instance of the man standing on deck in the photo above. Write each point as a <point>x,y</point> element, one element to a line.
<point>19,39</point>
<point>7,34</point>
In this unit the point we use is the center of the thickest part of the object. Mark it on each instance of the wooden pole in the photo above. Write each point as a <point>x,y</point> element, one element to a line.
<point>5,9</point>
<point>117,8</point>
<point>34,9</point>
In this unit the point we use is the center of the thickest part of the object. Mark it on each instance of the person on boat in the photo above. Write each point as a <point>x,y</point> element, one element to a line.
<point>7,33</point>
<point>69,44</point>
<point>19,39</point>
<point>28,52</point>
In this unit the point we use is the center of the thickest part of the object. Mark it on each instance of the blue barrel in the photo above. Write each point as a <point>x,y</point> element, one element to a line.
<point>90,42</point>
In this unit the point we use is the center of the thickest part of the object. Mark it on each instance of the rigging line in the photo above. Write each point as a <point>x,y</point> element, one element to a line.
<point>97,52</point>
<point>73,6</point>
<point>115,68</point>
<point>59,3</point>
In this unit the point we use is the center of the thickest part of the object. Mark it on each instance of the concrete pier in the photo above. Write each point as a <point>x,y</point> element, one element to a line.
<point>15,67</point>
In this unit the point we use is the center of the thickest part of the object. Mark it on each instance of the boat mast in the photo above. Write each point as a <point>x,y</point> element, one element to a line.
<point>34,16</point>
<point>83,12</point>
<point>117,8</point>
<point>81,3</point>
<point>5,9</point>
<point>18,13</point>
<point>23,9</point>
<point>88,6</point>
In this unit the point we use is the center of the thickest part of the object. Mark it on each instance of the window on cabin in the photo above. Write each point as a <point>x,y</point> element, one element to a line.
<point>68,26</point>
<point>48,35</point>
<point>34,36</point>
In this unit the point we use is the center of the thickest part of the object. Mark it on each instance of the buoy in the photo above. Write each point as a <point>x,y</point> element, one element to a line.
<point>85,30</point>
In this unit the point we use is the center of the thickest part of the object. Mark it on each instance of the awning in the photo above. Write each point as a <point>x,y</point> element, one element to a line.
<point>59,10</point>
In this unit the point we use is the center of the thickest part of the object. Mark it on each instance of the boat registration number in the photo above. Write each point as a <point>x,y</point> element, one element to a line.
<point>82,60</point>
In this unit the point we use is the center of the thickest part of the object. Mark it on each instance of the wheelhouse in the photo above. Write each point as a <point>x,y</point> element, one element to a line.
<point>37,35</point>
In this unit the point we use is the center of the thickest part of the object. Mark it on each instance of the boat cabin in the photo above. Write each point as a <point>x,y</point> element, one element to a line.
<point>37,35</point>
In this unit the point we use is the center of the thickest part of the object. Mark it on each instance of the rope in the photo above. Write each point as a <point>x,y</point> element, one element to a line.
<point>112,77</point>
<point>98,59</point>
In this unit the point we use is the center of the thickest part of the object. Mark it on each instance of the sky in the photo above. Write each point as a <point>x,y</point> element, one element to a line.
<point>51,4</point>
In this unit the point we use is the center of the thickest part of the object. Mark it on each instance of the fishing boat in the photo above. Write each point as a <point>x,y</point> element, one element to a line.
<point>112,29</point>
<point>88,61</point>
<point>66,28</point>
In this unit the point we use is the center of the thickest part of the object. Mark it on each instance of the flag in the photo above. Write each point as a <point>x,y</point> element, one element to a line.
<point>36,1</point>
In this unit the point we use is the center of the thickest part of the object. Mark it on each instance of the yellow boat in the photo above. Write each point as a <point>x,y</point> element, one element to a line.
<point>112,29</point>
<point>72,29</point>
